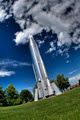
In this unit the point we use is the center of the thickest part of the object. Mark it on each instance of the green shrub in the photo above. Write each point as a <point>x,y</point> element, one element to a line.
<point>12,102</point>
<point>18,101</point>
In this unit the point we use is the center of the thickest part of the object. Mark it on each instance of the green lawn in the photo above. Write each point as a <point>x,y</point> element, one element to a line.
<point>63,107</point>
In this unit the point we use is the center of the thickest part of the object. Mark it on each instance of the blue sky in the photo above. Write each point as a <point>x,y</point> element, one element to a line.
<point>59,46</point>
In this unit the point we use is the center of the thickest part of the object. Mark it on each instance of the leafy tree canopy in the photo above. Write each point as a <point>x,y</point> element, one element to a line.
<point>26,95</point>
<point>12,95</point>
<point>11,92</point>
<point>62,82</point>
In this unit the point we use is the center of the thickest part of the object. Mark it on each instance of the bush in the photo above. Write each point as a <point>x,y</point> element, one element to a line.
<point>12,102</point>
<point>18,101</point>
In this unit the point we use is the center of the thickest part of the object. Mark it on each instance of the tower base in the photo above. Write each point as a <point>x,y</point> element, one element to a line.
<point>56,91</point>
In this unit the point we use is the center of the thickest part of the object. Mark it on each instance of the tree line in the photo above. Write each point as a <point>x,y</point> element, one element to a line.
<point>10,96</point>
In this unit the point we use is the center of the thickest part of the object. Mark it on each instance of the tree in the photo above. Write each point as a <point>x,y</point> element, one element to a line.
<point>3,101</point>
<point>11,92</point>
<point>12,95</point>
<point>62,82</point>
<point>26,96</point>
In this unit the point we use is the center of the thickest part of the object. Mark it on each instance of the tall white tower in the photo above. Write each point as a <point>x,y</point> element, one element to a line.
<point>45,89</point>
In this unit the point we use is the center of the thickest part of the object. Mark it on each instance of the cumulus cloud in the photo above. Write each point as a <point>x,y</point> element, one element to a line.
<point>64,39</point>
<point>6,73</point>
<point>3,15</point>
<point>22,37</point>
<point>52,48</point>
<point>62,17</point>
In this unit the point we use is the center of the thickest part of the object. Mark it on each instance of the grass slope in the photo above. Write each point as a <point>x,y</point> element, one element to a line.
<point>63,107</point>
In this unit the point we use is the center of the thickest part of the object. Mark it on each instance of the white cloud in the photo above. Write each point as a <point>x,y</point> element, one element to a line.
<point>8,63</point>
<point>64,39</point>
<point>76,77</point>
<point>3,15</point>
<point>21,37</point>
<point>12,63</point>
<point>67,61</point>
<point>5,73</point>
<point>25,8</point>
<point>54,23</point>
<point>77,47</point>
<point>50,50</point>
<point>40,42</point>
<point>70,73</point>
<point>62,17</point>
<point>63,51</point>
<point>22,23</point>
<point>52,47</point>
<point>60,23</point>
<point>52,44</point>
<point>67,54</point>
<point>29,88</point>
<point>18,8</point>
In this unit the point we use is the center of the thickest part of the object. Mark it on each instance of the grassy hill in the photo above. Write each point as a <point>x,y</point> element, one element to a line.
<point>63,107</point>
